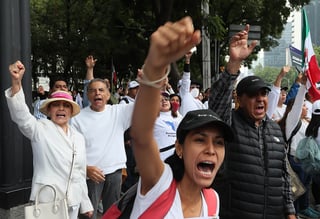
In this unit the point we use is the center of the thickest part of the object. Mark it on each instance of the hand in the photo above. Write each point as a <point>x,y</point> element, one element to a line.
<point>239,49</point>
<point>168,44</point>
<point>17,70</point>
<point>291,216</point>
<point>299,78</point>
<point>284,71</point>
<point>90,61</point>
<point>304,79</point>
<point>89,214</point>
<point>95,174</point>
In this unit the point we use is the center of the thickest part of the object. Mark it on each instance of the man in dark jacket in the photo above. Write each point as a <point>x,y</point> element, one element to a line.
<point>253,182</point>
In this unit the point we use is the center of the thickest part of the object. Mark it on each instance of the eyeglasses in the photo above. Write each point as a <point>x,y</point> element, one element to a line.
<point>263,93</point>
<point>164,99</point>
<point>95,90</point>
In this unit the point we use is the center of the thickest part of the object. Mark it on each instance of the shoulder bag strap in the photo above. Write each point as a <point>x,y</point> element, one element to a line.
<point>71,170</point>
<point>294,132</point>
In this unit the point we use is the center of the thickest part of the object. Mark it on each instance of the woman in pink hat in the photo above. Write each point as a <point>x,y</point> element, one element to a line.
<point>57,147</point>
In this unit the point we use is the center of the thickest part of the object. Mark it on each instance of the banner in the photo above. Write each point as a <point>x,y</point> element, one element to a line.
<point>296,57</point>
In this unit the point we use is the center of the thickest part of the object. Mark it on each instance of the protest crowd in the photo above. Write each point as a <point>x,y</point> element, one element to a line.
<point>228,151</point>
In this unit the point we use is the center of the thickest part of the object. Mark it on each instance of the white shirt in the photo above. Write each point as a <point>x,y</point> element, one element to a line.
<point>279,112</point>
<point>165,132</point>
<point>123,101</point>
<point>142,202</point>
<point>103,132</point>
<point>293,118</point>
<point>188,102</point>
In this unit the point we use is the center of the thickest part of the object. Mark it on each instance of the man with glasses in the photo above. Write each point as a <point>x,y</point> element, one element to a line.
<point>103,126</point>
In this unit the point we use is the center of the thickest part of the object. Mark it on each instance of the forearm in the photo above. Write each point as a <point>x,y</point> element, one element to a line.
<point>221,95</point>
<point>144,117</point>
<point>15,86</point>
<point>89,74</point>
<point>273,98</point>
<point>233,67</point>
<point>295,114</point>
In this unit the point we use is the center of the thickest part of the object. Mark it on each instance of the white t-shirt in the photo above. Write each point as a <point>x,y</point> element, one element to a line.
<point>142,202</point>
<point>165,132</point>
<point>279,112</point>
<point>103,132</point>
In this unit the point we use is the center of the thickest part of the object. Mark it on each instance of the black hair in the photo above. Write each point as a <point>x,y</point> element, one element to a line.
<point>177,166</point>
<point>175,95</point>
<point>313,127</point>
<point>55,78</point>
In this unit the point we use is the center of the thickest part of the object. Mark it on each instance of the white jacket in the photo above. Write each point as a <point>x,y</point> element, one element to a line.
<point>52,154</point>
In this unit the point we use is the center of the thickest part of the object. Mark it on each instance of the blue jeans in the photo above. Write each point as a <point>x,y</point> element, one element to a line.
<point>303,201</point>
<point>108,191</point>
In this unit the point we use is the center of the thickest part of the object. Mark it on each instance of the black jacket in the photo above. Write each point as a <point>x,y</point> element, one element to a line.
<point>250,183</point>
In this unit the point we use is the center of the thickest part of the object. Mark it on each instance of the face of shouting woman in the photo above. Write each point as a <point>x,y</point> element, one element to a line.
<point>203,152</point>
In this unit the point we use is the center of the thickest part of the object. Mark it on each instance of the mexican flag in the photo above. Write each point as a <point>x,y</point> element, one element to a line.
<point>309,61</point>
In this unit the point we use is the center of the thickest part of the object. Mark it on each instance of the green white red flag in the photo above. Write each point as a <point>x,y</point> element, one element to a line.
<point>310,63</point>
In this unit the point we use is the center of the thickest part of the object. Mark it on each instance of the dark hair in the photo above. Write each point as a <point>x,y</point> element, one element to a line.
<point>313,127</point>
<point>175,95</point>
<point>55,78</point>
<point>177,166</point>
<point>174,114</point>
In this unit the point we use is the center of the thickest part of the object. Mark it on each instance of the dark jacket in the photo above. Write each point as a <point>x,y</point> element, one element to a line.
<point>252,185</point>
<point>253,182</point>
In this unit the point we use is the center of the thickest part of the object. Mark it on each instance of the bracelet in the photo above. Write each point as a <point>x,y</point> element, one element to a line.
<point>157,83</point>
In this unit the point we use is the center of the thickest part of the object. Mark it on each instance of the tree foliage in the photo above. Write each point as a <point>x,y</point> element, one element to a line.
<point>64,32</point>
<point>269,74</point>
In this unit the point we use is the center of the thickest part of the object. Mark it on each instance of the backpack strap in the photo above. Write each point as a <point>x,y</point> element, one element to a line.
<point>167,148</point>
<point>125,100</point>
<point>123,207</point>
<point>211,198</point>
<point>160,207</point>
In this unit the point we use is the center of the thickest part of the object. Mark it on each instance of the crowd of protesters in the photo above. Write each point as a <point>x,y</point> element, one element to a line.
<point>231,137</point>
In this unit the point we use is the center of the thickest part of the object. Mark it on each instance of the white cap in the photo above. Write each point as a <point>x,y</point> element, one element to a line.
<point>133,84</point>
<point>316,107</point>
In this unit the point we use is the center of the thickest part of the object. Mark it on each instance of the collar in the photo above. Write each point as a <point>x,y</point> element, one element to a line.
<point>249,120</point>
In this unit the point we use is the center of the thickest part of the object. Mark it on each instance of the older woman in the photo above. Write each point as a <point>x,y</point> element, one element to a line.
<point>54,144</point>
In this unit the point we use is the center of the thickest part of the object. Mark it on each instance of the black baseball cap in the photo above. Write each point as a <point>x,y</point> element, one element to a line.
<point>198,118</point>
<point>251,85</point>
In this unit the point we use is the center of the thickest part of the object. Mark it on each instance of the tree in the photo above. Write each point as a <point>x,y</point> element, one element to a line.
<point>64,32</point>
<point>269,74</point>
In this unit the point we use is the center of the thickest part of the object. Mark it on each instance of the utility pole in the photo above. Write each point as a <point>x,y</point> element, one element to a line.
<point>206,60</point>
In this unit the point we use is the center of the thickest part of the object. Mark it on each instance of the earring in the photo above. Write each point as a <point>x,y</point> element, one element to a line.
<point>180,156</point>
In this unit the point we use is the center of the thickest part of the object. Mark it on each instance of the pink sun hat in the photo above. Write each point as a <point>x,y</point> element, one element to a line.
<point>58,96</point>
